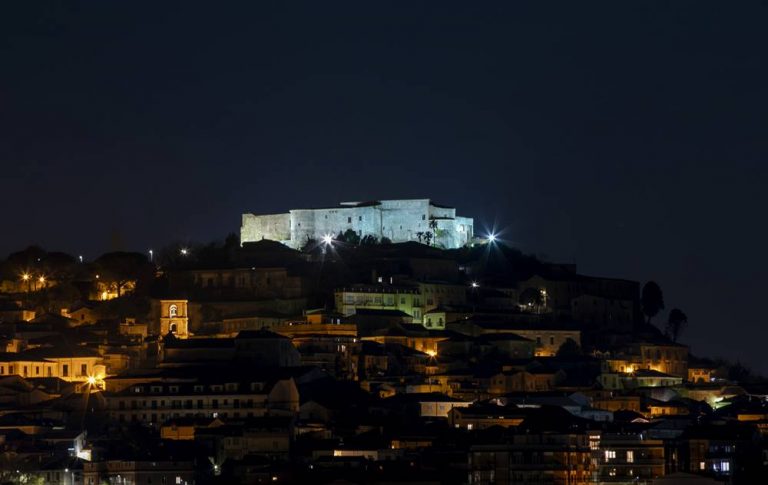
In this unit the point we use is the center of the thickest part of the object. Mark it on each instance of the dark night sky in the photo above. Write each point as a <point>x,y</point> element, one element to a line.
<point>629,137</point>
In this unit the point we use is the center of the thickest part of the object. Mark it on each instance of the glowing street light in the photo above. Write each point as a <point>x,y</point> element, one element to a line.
<point>41,279</point>
<point>151,255</point>
<point>491,238</point>
<point>184,251</point>
<point>475,284</point>
<point>327,239</point>
<point>25,277</point>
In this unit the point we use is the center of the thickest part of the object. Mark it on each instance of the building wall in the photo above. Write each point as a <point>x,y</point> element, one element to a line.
<point>255,282</point>
<point>669,359</point>
<point>157,403</point>
<point>315,223</point>
<point>398,220</point>
<point>174,318</point>
<point>409,301</point>
<point>548,341</point>
<point>70,369</point>
<point>276,227</point>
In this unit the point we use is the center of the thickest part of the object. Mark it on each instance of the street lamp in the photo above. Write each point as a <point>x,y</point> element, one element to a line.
<point>151,256</point>
<point>327,239</point>
<point>184,251</point>
<point>26,277</point>
<point>491,238</point>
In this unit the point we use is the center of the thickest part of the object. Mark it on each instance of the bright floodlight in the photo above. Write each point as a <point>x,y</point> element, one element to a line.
<point>327,239</point>
<point>491,238</point>
<point>475,284</point>
<point>25,277</point>
<point>91,380</point>
<point>184,251</point>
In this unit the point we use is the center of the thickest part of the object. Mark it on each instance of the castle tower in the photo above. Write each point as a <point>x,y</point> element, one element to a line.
<point>174,318</point>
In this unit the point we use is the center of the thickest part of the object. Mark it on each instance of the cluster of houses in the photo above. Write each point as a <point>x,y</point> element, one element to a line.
<point>393,363</point>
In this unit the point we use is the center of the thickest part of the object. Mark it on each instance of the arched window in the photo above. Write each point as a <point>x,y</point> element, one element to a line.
<point>172,310</point>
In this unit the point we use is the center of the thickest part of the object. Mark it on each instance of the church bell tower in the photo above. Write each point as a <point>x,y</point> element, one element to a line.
<point>174,318</point>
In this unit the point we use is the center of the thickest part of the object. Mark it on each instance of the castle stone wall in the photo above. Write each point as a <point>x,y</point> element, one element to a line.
<point>398,220</point>
<point>276,227</point>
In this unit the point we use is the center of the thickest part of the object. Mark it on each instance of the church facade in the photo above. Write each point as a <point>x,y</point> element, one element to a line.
<point>397,220</point>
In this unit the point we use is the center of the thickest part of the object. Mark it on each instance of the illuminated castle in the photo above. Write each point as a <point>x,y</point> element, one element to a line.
<point>397,220</point>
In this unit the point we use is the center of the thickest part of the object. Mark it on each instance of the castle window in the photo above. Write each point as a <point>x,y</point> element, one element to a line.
<point>349,220</point>
<point>359,218</point>
<point>423,217</point>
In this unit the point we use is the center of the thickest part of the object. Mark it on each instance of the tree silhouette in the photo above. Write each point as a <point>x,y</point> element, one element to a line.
<point>351,237</point>
<point>569,349</point>
<point>433,229</point>
<point>531,298</point>
<point>676,323</point>
<point>369,240</point>
<point>652,300</point>
<point>121,268</point>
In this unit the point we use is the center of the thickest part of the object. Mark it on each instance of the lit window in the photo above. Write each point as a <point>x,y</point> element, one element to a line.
<point>630,456</point>
<point>610,454</point>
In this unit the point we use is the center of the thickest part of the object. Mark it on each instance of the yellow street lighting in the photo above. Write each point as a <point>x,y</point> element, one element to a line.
<point>25,277</point>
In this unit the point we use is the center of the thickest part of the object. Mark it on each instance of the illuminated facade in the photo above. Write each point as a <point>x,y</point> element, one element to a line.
<point>174,318</point>
<point>75,365</point>
<point>397,220</point>
<point>416,300</point>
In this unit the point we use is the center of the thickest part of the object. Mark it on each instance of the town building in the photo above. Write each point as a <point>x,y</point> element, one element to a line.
<point>155,402</point>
